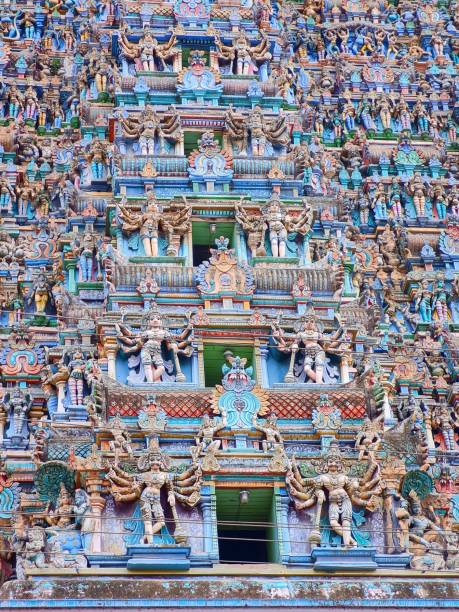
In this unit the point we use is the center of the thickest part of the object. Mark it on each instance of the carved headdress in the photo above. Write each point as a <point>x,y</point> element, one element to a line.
<point>153,454</point>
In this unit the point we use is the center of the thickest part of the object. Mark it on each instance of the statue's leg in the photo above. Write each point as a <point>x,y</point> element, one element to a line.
<point>145,509</point>
<point>157,373</point>
<point>319,367</point>
<point>274,244</point>
<point>149,372</point>
<point>147,246</point>
<point>158,515</point>
<point>346,533</point>
<point>315,536</point>
<point>282,246</point>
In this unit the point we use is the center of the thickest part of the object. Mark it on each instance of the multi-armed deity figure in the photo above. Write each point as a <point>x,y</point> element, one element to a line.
<point>152,342</point>
<point>153,131</point>
<point>310,345</point>
<point>151,478</point>
<point>253,132</point>
<point>333,487</point>
<point>275,222</point>
<point>242,57</point>
<point>152,54</point>
<point>175,223</point>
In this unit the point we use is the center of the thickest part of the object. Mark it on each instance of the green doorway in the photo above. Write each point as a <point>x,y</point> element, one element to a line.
<point>246,525</point>
<point>214,359</point>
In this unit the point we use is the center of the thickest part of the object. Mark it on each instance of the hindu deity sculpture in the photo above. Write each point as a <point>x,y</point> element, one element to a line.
<point>308,347</point>
<point>98,157</point>
<point>174,223</point>
<point>7,195</point>
<point>270,429</point>
<point>335,488</point>
<point>101,71</point>
<point>29,544</point>
<point>152,131</point>
<point>423,301</point>
<point>206,443</point>
<point>146,483</point>
<point>151,344</point>
<point>419,535</point>
<point>17,405</point>
<point>76,370</point>
<point>417,189</point>
<point>445,420</point>
<point>241,56</point>
<point>276,223</point>
<point>85,250</point>
<point>121,443</point>
<point>151,54</point>
<point>440,298</point>
<point>62,514</point>
<point>41,294</point>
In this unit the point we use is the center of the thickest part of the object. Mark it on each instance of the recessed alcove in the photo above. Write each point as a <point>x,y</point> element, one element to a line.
<point>214,359</point>
<point>246,531</point>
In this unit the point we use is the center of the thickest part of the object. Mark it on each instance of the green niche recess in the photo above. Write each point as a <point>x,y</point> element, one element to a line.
<point>204,234</point>
<point>190,140</point>
<point>214,360</point>
<point>246,531</point>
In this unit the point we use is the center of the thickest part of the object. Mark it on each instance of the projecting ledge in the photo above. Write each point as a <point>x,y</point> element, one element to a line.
<point>179,591</point>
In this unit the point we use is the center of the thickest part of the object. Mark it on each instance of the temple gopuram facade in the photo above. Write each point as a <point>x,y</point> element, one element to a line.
<point>229,286</point>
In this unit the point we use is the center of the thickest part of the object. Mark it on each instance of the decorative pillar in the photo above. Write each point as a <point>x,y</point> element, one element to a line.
<point>195,364</point>
<point>389,419</point>
<point>282,502</point>
<point>264,378</point>
<point>209,518</point>
<point>346,362</point>
<point>111,349</point>
<point>2,425</point>
<point>201,376</point>
<point>306,249</point>
<point>60,398</point>
<point>429,435</point>
<point>188,241</point>
<point>97,504</point>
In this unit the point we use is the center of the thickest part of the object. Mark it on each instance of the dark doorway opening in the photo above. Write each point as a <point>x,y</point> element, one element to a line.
<point>243,546</point>
<point>246,525</point>
<point>200,253</point>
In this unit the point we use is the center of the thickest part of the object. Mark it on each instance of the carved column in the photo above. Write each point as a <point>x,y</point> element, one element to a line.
<point>429,434</point>
<point>111,349</point>
<point>188,241</point>
<point>60,397</point>
<point>263,351</point>
<point>346,362</point>
<point>389,419</point>
<point>2,424</point>
<point>209,517</point>
<point>200,351</point>
<point>93,487</point>
<point>282,502</point>
<point>195,364</point>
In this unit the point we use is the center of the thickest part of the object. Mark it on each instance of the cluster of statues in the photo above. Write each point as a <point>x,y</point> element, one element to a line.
<point>180,181</point>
